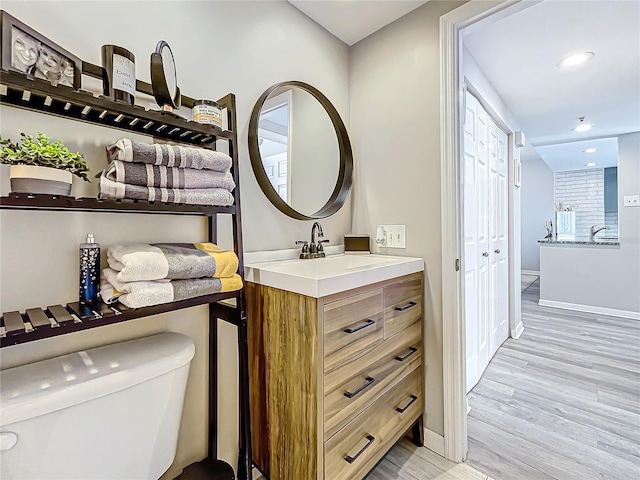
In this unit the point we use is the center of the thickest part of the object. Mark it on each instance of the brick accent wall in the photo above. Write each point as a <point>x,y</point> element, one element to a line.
<point>584,190</point>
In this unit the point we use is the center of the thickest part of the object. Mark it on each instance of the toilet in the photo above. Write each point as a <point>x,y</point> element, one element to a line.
<point>112,412</point>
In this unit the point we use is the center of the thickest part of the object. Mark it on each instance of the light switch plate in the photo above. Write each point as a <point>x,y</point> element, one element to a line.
<point>632,200</point>
<point>395,236</point>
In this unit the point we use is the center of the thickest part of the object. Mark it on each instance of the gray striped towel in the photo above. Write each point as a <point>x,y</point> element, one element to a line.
<point>191,196</point>
<point>127,150</point>
<point>160,176</point>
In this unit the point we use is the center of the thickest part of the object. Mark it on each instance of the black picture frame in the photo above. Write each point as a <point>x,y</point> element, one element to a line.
<point>52,62</point>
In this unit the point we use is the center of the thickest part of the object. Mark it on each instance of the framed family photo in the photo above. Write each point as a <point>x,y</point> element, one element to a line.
<point>26,51</point>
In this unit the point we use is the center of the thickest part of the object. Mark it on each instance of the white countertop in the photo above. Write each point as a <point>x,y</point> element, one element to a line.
<point>320,277</point>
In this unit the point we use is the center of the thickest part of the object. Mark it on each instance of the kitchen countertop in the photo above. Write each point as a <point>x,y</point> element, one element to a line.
<point>580,241</point>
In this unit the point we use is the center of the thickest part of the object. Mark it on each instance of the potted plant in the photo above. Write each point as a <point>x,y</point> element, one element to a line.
<point>41,166</point>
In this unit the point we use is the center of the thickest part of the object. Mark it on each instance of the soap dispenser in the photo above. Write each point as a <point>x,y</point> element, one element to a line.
<point>89,270</point>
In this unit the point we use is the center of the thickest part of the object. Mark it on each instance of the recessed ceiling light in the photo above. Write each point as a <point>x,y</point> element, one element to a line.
<point>590,164</point>
<point>582,127</point>
<point>591,150</point>
<point>575,60</point>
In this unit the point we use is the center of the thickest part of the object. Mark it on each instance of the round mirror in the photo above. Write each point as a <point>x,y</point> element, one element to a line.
<point>164,80</point>
<point>300,151</point>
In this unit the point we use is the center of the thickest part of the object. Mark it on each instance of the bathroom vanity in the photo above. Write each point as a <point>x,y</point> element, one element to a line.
<point>335,348</point>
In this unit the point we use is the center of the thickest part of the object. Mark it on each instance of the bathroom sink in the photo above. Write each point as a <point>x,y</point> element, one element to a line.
<point>320,277</point>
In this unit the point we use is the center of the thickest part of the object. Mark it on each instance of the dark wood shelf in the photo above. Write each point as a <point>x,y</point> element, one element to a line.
<point>30,201</point>
<point>38,95</point>
<point>21,91</point>
<point>83,318</point>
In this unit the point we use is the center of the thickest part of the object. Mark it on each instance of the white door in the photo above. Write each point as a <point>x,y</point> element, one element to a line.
<point>485,227</point>
<point>476,239</point>
<point>498,206</point>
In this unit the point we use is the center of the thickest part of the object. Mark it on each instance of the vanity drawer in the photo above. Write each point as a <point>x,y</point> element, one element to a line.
<point>402,305</point>
<point>355,449</point>
<point>351,326</point>
<point>352,387</point>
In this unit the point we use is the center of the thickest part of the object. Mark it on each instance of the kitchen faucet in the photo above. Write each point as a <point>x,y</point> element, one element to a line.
<point>594,229</point>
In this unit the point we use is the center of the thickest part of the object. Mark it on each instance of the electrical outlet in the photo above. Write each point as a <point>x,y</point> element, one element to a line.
<point>392,236</point>
<point>632,200</point>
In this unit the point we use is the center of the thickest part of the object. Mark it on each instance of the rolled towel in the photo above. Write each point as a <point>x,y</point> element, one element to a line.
<point>158,261</point>
<point>148,293</point>
<point>192,196</point>
<point>127,150</point>
<point>159,176</point>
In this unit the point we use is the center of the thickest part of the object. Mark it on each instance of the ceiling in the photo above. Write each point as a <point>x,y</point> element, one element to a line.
<point>519,53</point>
<point>548,101</point>
<point>353,20</point>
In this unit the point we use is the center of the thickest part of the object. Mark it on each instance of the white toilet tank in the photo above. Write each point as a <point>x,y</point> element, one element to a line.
<point>112,412</point>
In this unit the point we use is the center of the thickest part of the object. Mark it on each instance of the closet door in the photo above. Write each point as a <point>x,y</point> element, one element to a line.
<point>476,241</point>
<point>498,244</point>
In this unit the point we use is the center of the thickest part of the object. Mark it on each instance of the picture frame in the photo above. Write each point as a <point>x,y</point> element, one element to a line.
<point>26,51</point>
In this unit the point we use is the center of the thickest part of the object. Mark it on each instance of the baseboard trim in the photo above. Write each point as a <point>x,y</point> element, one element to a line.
<point>529,272</point>
<point>434,442</point>
<point>515,333</point>
<point>590,309</point>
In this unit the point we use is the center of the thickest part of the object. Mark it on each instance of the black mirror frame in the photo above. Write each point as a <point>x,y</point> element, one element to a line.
<point>345,175</point>
<point>159,81</point>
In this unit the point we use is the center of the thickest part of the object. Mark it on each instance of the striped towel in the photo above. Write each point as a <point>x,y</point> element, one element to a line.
<point>127,150</point>
<point>160,176</point>
<point>109,189</point>
<point>148,293</point>
<point>158,261</point>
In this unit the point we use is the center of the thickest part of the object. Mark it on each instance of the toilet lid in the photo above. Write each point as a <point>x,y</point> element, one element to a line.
<point>43,387</point>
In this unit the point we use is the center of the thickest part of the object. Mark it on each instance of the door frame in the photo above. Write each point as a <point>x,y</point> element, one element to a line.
<point>467,17</point>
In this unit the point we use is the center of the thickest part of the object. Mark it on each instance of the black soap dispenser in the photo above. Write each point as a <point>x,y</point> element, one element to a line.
<point>89,271</point>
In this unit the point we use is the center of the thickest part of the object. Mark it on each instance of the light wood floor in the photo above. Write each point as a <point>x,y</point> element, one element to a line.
<point>562,402</point>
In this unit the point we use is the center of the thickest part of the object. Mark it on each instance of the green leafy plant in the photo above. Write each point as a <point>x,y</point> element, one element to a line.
<point>44,153</point>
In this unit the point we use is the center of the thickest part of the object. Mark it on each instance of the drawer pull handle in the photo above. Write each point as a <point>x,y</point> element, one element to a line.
<point>401,410</point>
<point>412,350</point>
<point>351,459</point>
<point>366,324</point>
<point>406,307</point>
<point>366,384</point>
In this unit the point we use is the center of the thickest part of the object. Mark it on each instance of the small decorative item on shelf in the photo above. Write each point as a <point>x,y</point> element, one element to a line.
<point>548,225</point>
<point>89,271</point>
<point>39,166</point>
<point>26,51</point>
<point>207,112</point>
<point>119,74</point>
<point>164,80</point>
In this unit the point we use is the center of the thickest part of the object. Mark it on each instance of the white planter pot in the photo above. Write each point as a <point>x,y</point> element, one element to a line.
<point>35,179</point>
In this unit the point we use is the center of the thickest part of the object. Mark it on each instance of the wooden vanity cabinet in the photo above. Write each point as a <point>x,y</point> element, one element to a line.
<point>334,381</point>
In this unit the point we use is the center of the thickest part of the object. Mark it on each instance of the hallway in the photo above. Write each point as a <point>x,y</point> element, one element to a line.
<point>562,402</point>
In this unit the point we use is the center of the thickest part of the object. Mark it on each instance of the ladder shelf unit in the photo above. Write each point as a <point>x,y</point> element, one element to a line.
<point>24,92</point>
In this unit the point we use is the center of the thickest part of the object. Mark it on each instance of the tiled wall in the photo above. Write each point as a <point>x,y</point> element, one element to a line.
<point>584,190</point>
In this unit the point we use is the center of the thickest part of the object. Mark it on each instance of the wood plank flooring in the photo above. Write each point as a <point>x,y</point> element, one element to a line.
<point>562,402</point>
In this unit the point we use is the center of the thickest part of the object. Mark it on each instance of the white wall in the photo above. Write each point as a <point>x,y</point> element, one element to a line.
<point>260,43</point>
<point>537,208</point>
<point>601,276</point>
<point>395,130</point>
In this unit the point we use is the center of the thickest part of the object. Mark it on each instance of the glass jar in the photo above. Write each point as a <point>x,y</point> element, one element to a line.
<point>207,112</point>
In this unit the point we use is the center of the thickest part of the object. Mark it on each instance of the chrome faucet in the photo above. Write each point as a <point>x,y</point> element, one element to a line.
<point>313,250</point>
<point>594,229</point>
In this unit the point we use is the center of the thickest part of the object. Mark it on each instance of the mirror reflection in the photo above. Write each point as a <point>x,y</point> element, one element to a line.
<point>169,71</point>
<point>298,148</point>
